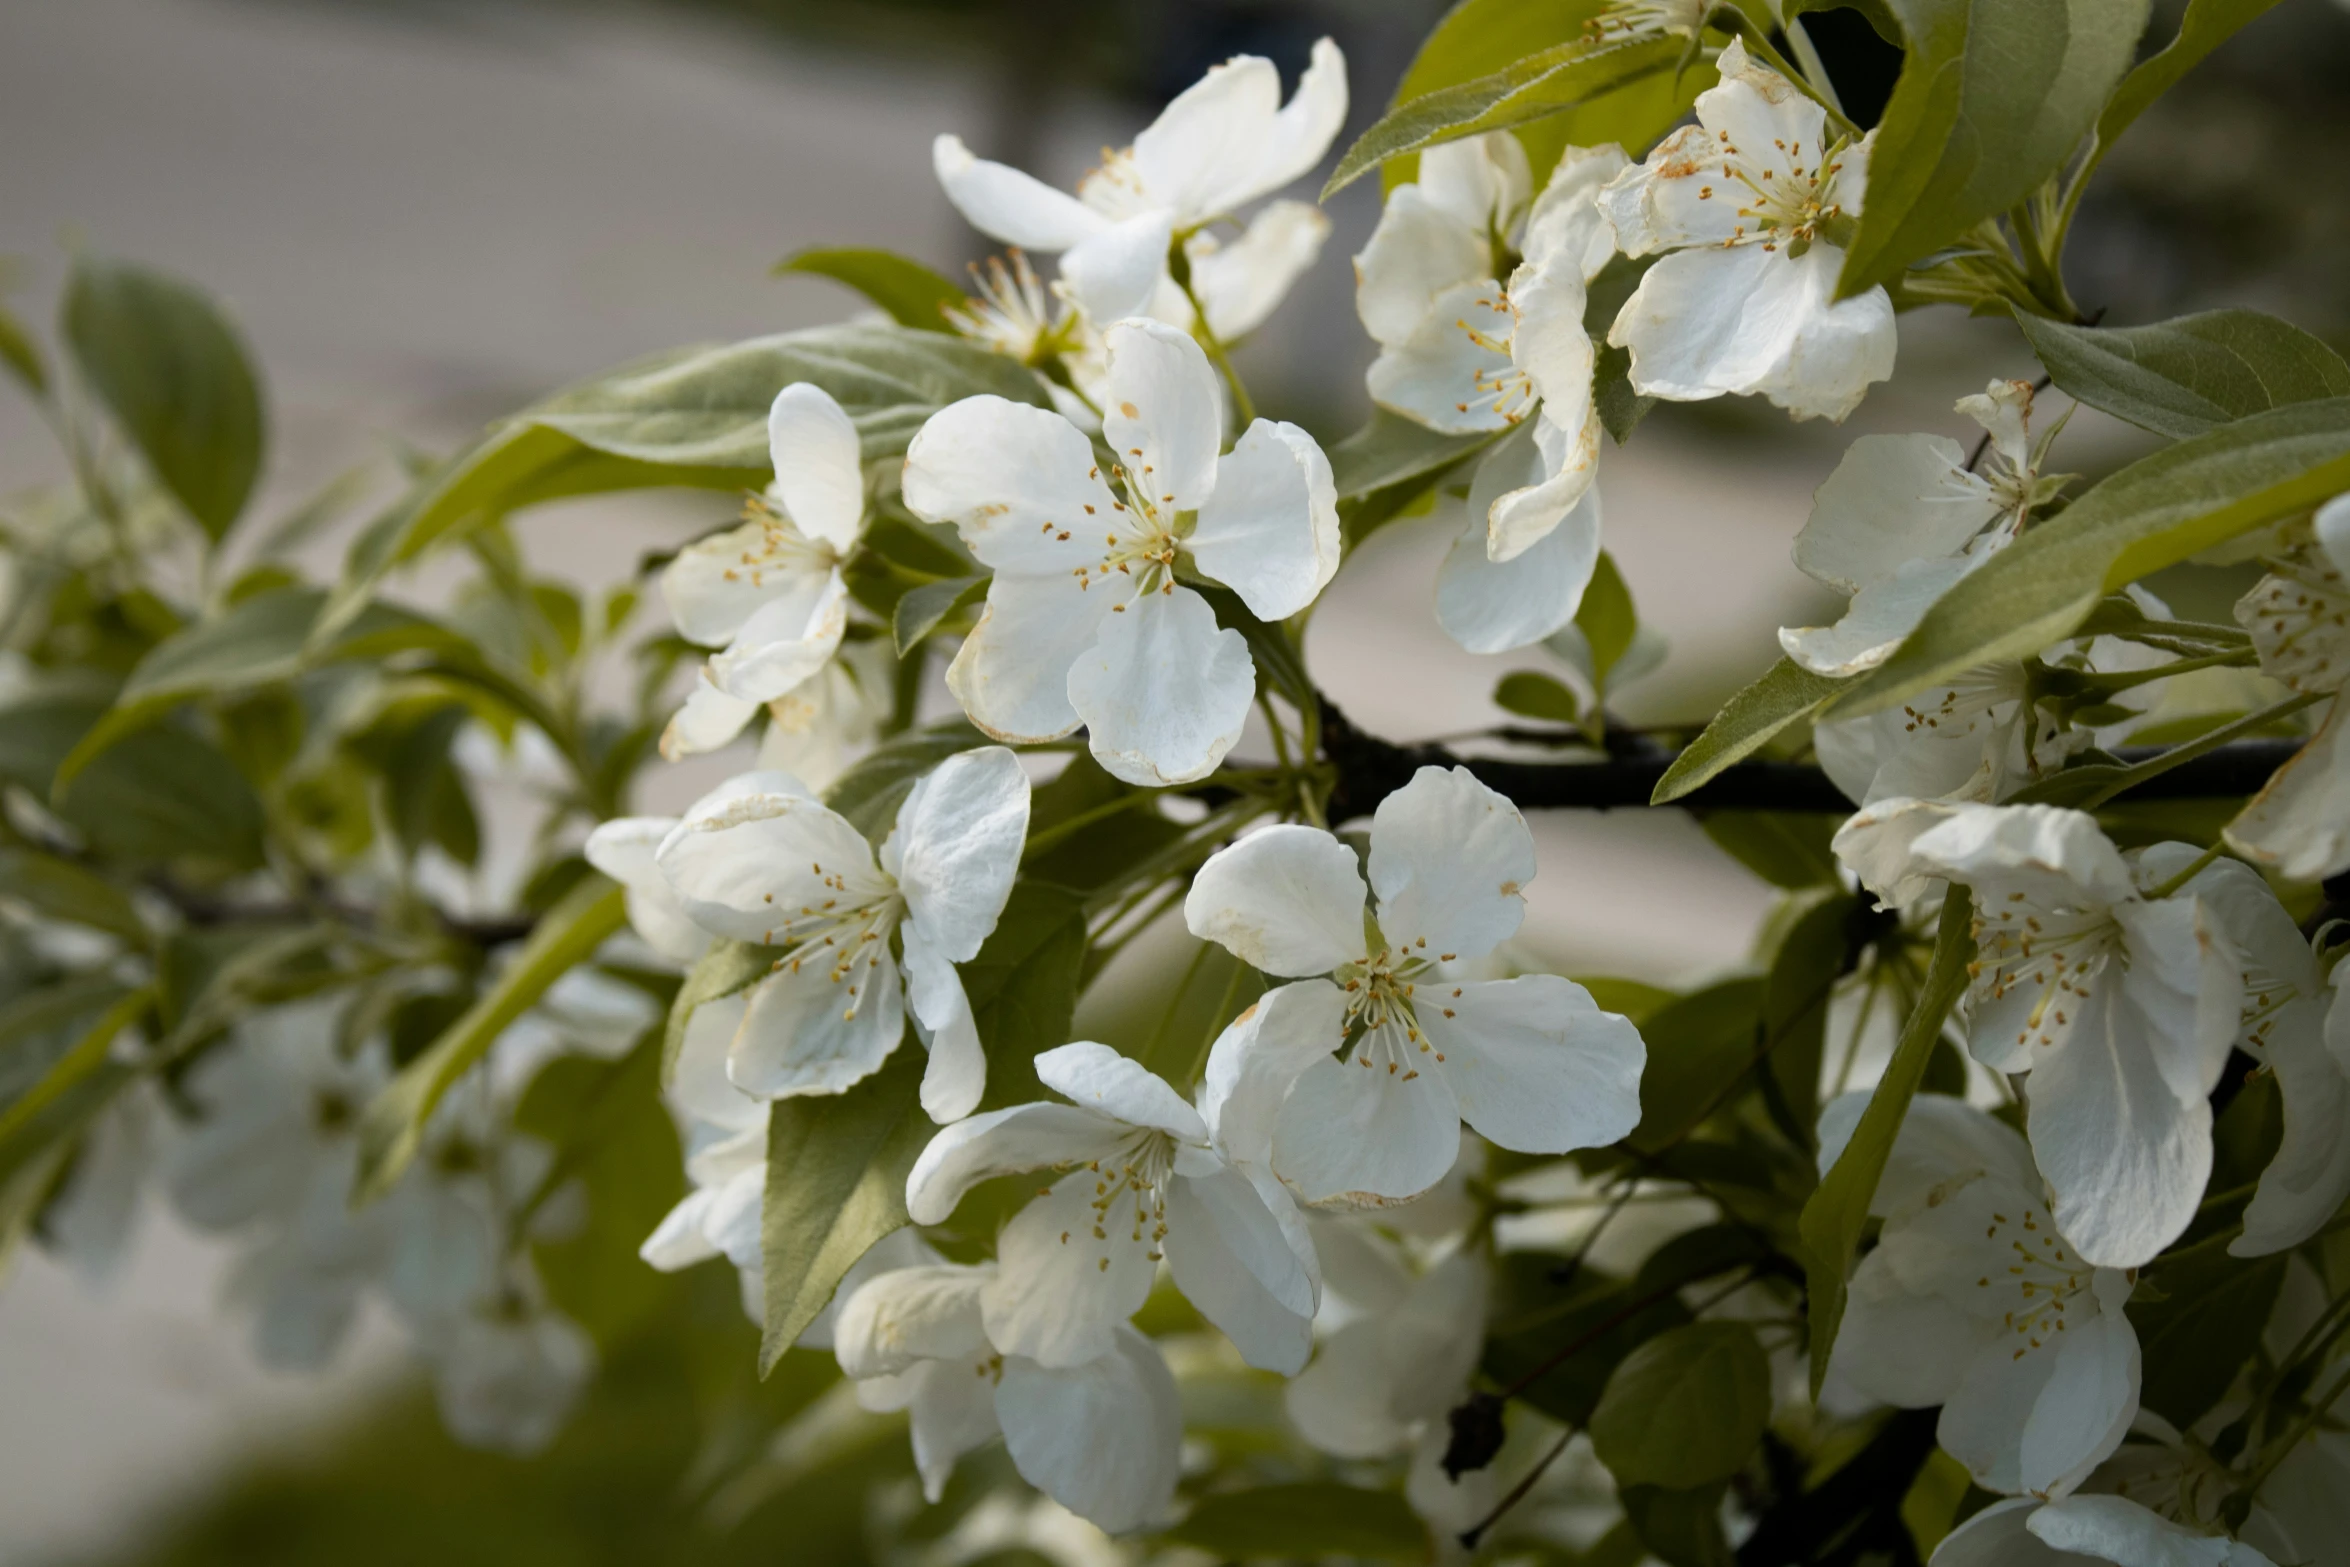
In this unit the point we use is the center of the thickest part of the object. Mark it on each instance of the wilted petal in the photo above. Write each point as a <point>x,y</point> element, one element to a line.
<point>1105,1440</point>
<point>1014,207</point>
<point>1536,1065</point>
<point>1450,859</point>
<point>1270,530</point>
<point>958,843</point>
<point>1164,691</point>
<point>1285,899</point>
<point>819,473</point>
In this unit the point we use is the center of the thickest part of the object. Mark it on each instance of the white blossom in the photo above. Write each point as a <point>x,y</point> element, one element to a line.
<point>623,849</point>
<point>768,592</point>
<point>1747,206</point>
<point>2121,1006</point>
<point>1088,620</point>
<point>507,1376</point>
<point>1225,141</point>
<point>761,860</point>
<point>2299,617</point>
<point>1014,314</point>
<point>2024,1532</point>
<point>1531,1064</point>
<point>1144,1183</point>
<point>1102,1437</point>
<point>2032,1359</point>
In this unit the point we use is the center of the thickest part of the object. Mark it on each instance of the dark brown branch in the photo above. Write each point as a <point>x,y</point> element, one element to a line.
<point>1370,769</point>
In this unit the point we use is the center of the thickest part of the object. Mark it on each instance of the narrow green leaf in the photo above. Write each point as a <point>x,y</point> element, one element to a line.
<point>1686,1408</point>
<point>169,368</point>
<point>912,293</point>
<point>2207,25</point>
<point>62,890</point>
<point>18,352</point>
<point>1833,1217</point>
<point>1530,695</point>
<point>1994,96</point>
<point>1312,1519</point>
<point>1787,694</point>
<point>2154,513</point>
<point>2181,377</point>
<point>836,1183</point>
<point>1392,450</point>
<point>921,609</point>
<point>566,936</point>
<point>86,1055</point>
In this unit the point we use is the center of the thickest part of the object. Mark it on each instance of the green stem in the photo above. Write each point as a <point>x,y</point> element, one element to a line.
<point>1244,410</point>
<point>2171,884</point>
<point>1045,838</point>
<point>2155,767</point>
<point>2240,1501</point>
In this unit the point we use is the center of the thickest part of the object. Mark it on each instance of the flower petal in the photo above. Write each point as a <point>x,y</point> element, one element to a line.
<point>959,837</point>
<point>1161,414</point>
<point>1113,274</point>
<point>1567,226</point>
<point>747,869</point>
<point>1104,1440</point>
<point>1302,132</point>
<point>2299,823</point>
<point>1450,858</point>
<point>1419,250</point>
<point>809,1033</point>
<point>1655,205</point>
<point>819,470</point>
<point>1879,617</point>
<point>1454,373</point>
<point>1494,607</point>
<point>623,849</point>
<point>793,635</point>
<point>2056,858</point>
<point>1286,899</point>
<point>1355,1136</point>
<point>1012,672</point>
<point>1164,692</point>
<point>1482,182</point>
<point>1253,1064</point>
<point>709,719</point>
<point>1003,1142</point>
<point>2309,1176</point>
<point>1270,530</point>
<point>1230,1259</point>
<point>1019,483</point>
<point>1099,1079</point>
<point>957,1074</point>
<point>1884,1323</point>
<point>1201,155</point>
<point>2114,1529</point>
<point>1013,207</point>
<point>2084,1412</point>
<point>1893,499</point>
<point>951,1412</point>
<point>1240,284</point>
<point>1069,1271</point>
<point>717,583</point>
<point>909,1315</point>
<point>1940,1137</point>
<point>1536,1065</point>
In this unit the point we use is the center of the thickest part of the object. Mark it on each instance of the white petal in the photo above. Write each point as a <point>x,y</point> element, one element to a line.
<point>959,838</point>
<point>1160,412</point>
<point>1418,251</point>
<point>1014,207</point>
<point>1878,618</point>
<point>717,583</point>
<point>1536,1065</point>
<point>951,1412</point>
<point>1519,519</point>
<point>1240,284</point>
<point>507,1385</point>
<point>1490,607</point>
<point>1940,1137</point>
<point>2269,950</point>
<point>1655,205</point>
<point>957,1074</point>
<point>1099,1079</point>
<point>1301,133</point>
<point>748,869</point>
<point>1482,182</point>
<point>1018,482</point>
<point>909,1315</point>
<point>819,472</point>
<point>1286,899</point>
<point>1567,226</point>
<point>1270,530</point>
<point>1164,691</point>
<point>2056,858</point>
<point>1551,346</point>
<point>2299,823</point>
<point>678,1240</point>
<point>794,634</point>
<point>1012,672</point>
<point>809,1033</point>
<point>1359,1136</point>
<point>1999,1536</point>
<point>623,849</point>
<point>1878,845</point>
<point>1884,1323</point>
<point>1253,1064</point>
<point>2111,1528</point>
<point>1113,274</point>
<point>709,719</point>
<point>2091,1398</point>
<point>1003,1142</point>
<point>1892,500</point>
<point>1104,1440</point>
<point>2308,1178</point>
<point>1449,374</point>
<point>1052,1299</point>
<point>1709,322</point>
<point>1231,1260</point>
<point>1201,155</point>
<point>2332,527</point>
<point>1758,107</point>
<point>1449,861</point>
<point>1341,1403</point>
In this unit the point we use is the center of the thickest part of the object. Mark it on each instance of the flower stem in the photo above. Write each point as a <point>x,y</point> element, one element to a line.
<point>2155,767</point>
<point>1244,410</point>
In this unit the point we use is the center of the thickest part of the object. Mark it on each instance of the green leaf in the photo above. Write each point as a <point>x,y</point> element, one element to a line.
<point>1023,986</point>
<point>2209,1322</point>
<point>728,967</point>
<point>1686,1408</point>
<point>1787,694</point>
<point>161,795</point>
<point>1994,96</point>
<point>1785,848</point>
<point>1607,619</point>
<point>2181,377</point>
<point>2207,25</point>
<point>1530,695</point>
<point>566,936</point>
<point>1392,450</point>
<point>62,890</point>
<point>1699,1046</point>
<point>870,792</point>
<point>1680,1528</point>
<point>836,1183</point>
<point>1552,81</point>
<point>1833,1217</point>
<point>911,292</point>
<point>920,610</point>
<point>1568,1340</point>
<point>18,352</point>
<point>169,368</point>
<point>83,1058</point>
<point>2154,513</point>
<point>1311,1519</point>
<point>1811,957</point>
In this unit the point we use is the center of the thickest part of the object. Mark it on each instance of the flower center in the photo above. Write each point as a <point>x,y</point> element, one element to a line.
<point>847,936</point>
<point>782,547</point>
<point>1144,538</point>
<point>1628,19</point>
<point>1382,1008</point>
<point>1780,202</point>
<point>1130,1195</point>
<point>1116,188</point>
<point>2042,1271</point>
<point>1502,389</point>
<point>2054,952</point>
<point>1012,313</point>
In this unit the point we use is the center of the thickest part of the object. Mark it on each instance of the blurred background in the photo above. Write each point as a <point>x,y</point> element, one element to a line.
<point>425,213</point>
